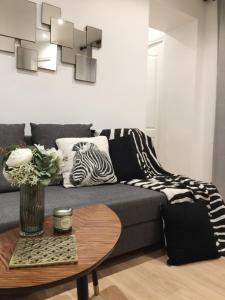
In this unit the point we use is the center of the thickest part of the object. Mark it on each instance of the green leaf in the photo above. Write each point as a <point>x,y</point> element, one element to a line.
<point>52,170</point>
<point>45,182</point>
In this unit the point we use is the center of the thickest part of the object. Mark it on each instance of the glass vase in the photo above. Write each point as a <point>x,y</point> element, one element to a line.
<point>32,199</point>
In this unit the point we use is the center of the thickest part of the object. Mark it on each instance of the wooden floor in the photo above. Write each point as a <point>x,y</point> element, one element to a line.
<point>145,276</point>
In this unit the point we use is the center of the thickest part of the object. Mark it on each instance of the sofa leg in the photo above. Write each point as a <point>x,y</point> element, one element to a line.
<point>95,282</point>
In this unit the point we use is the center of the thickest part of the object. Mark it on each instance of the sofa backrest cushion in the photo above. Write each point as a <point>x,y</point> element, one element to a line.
<point>10,134</point>
<point>47,134</point>
<point>112,134</point>
<point>28,140</point>
<point>123,155</point>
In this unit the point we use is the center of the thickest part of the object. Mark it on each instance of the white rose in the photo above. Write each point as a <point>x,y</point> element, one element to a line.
<point>40,148</point>
<point>52,152</point>
<point>19,157</point>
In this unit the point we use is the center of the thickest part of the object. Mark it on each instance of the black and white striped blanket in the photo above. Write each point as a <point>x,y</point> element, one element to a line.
<point>177,188</point>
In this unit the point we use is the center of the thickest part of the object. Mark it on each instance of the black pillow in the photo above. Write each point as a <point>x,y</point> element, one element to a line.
<point>10,134</point>
<point>46,134</point>
<point>124,159</point>
<point>189,233</point>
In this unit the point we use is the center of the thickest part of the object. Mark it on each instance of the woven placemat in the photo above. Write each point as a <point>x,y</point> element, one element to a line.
<point>31,252</point>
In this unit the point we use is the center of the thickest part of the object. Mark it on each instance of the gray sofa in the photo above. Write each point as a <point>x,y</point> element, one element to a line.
<point>137,208</point>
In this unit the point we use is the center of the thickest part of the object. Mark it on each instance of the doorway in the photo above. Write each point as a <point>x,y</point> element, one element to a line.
<point>172,65</point>
<point>155,52</point>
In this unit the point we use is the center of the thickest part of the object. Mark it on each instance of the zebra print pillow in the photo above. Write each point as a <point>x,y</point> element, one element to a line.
<point>87,161</point>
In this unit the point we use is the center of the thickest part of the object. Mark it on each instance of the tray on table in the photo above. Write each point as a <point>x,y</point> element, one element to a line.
<point>31,252</point>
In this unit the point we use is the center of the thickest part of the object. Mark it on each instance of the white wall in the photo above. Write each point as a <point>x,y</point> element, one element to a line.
<point>188,89</point>
<point>119,96</point>
<point>155,35</point>
<point>205,100</point>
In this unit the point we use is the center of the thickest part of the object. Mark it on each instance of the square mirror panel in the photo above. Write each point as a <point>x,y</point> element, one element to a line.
<point>49,11</point>
<point>79,47</point>
<point>94,37</point>
<point>18,19</point>
<point>47,52</point>
<point>62,33</point>
<point>7,44</point>
<point>27,59</point>
<point>85,68</point>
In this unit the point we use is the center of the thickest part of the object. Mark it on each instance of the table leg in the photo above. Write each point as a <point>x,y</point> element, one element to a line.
<point>95,282</point>
<point>82,288</point>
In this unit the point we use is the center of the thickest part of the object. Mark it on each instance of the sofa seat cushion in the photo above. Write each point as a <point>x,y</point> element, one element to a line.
<point>133,205</point>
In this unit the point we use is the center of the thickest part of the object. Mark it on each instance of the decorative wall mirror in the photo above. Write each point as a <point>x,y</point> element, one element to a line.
<point>38,48</point>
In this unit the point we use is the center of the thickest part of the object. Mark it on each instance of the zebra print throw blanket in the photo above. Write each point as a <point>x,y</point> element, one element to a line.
<point>177,188</point>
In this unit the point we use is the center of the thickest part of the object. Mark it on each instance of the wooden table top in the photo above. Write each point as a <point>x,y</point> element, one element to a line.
<point>97,229</point>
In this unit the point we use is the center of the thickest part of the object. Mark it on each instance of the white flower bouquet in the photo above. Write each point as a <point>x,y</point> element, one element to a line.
<point>31,165</point>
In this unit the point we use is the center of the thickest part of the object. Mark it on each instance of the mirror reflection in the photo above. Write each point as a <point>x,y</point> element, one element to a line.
<point>47,52</point>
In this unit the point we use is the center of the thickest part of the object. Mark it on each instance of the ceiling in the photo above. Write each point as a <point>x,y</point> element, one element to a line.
<point>164,17</point>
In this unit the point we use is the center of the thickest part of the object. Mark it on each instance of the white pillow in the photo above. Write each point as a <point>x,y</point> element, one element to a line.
<point>86,161</point>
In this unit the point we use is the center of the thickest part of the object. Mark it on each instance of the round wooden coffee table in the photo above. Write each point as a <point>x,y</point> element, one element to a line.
<point>97,229</point>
